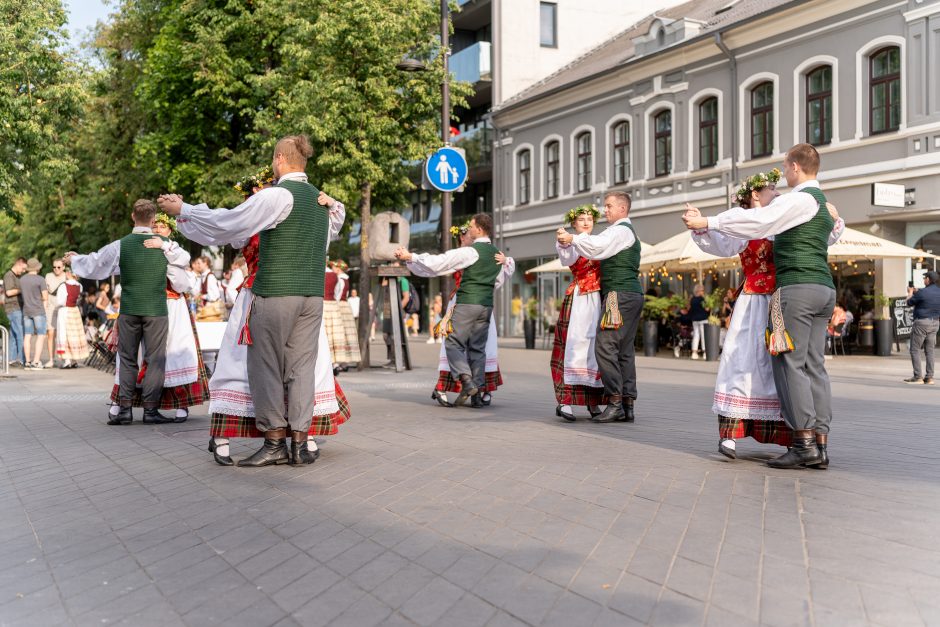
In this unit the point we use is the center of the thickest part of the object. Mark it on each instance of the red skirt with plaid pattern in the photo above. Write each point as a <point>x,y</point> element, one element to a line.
<point>228,426</point>
<point>178,396</point>
<point>577,395</point>
<point>447,383</point>
<point>764,431</point>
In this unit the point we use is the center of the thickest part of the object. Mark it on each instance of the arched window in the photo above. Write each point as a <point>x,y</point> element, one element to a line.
<point>662,146</point>
<point>762,120</point>
<point>552,169</point>
<point>525,176</point>
<point>819,106</point>
<point>884,96</point>
<point>708,132</point>
<point>583,142</point>
<point>621,156</point>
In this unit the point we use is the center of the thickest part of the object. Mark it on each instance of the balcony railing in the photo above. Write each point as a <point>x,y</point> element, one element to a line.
<point>478,144</point>
<point>472,64</point>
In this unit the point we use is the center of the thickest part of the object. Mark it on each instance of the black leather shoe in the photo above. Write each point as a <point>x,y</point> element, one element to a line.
<point>300,455</point>
<point>441,398</point>
<point>594,410</point>
<point>628,415</point>
<point>612,413</point>
<point>152,416</point>
<point>822,443</point>
<point>476,401</point>
<point>487,399</point>
<point>561,413</point>
<point>123,417</point>
<point>219,459</point>
<point>803,452</point>
<point>273,451</point>
<point>467,390</point>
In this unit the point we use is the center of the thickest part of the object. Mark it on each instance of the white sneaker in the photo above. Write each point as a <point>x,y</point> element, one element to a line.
<point>694,355</point>
<point>430,340</point>
<point>49,364</point>
<point>677,351</point>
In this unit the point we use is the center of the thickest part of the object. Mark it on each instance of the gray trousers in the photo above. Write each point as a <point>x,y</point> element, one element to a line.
<point>923,340</point>
<point>466,346</point>
<point>152,330</point>
<point>285,333</point>
<point>614,348</point>
<point>800,375</point>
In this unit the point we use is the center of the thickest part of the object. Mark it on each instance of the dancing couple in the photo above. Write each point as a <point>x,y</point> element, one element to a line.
<point>275,330</point>
<point>787,286</point>
<point>469,322</point>
<point>611,303</point>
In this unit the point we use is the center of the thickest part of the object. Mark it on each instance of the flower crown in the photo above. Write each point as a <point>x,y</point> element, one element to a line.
<point>756,182</point>
<point>169,221</point>
<point>591,210</point>
<point>264,176</point>
<point>457,231</point>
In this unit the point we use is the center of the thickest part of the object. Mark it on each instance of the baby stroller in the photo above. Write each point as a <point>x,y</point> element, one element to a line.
<point>682,337</point>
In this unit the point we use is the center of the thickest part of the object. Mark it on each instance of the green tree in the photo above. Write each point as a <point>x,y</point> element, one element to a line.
<point>40,95</point>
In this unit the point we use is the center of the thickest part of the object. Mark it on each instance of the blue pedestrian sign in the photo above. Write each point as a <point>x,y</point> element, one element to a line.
<point>446,169</point>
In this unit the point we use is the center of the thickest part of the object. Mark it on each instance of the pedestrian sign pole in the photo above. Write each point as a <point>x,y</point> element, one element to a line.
<point>446,169</point>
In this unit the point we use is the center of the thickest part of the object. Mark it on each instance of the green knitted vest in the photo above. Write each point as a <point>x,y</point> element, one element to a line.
<point>478,281</point>
<point>292,256</point>
<point>143,277</point>
<point>801,253</point>
<point>620,273</point>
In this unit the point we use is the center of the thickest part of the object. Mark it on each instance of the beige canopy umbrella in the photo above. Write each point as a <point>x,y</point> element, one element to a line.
<point>555,264</point>
<point>859,245</point>
<point>680,252</point>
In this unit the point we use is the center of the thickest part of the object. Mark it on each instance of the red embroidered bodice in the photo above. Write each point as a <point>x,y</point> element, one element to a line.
<point>757,261</point>
<point>250,253</point>
<point>72,293</point>
<point>171,294</point>
<point>457,276</point>
<point>329,285</point>
<point>587,276</point>
<point>344,296</point>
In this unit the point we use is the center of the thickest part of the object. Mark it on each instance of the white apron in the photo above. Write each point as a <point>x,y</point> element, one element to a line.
<point>228,388</point>
<point>580,363</point>
<point>745,386</point>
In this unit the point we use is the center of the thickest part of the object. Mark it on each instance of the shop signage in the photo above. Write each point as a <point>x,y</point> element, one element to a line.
<point>887,195</point>
<point>902,315</point>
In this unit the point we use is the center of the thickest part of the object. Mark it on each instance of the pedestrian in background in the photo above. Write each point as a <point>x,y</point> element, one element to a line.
<point>13,307</point>
<point>699,315</point>
<point>54,280</point>
<point>35,296</point>
<point>926,304</point>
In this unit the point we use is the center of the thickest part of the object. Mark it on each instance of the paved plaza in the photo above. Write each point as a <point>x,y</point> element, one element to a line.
<point>420,515</point>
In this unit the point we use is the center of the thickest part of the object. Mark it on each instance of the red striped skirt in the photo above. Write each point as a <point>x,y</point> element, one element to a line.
<point>764,431</point>
<point>447,383</point>
<point>577,395</point>
<point>228,426</point>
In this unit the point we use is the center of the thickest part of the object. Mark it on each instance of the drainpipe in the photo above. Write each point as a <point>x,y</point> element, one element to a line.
<point>734,107</point>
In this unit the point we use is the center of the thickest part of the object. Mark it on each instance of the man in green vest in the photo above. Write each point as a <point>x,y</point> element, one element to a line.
<point>287,310</point>
<point>800,223</point>
<point>618,249</point>
<point>480,266</point>
<point>142,259</point>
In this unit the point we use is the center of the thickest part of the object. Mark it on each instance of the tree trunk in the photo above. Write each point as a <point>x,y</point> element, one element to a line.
<point>365,272</point>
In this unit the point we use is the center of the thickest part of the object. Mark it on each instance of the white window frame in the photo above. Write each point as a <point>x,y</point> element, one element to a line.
<point>543,163</point>
<point>649,143</point>
<point>799,103</point>
<point>515,173</point>
<point>609,147</point>
<point>862,84</point>
<point>574,158</point>
<point>744,124</point>
<point>694,103</point>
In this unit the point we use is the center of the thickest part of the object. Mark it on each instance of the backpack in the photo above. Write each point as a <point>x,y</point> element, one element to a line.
<point>414,302</point>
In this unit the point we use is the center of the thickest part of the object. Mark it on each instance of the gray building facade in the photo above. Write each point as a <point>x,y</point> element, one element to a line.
<point>687,102</point>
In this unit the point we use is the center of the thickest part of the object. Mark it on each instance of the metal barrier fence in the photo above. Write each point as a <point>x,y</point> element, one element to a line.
<point>4,352</point>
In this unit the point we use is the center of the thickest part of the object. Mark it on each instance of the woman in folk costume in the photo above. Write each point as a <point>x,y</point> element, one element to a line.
<point>70,342</point>
<point>233,413</point>
<point>745,399</point>
<point>186,380</point>
<point>338,320</point>
<point>575,373</point>
<point>494,378</point>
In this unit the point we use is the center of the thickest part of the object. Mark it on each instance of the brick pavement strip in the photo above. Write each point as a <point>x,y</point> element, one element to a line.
<point>420,515</point>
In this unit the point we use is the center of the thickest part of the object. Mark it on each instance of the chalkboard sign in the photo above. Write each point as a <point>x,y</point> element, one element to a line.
<point>902,315</point>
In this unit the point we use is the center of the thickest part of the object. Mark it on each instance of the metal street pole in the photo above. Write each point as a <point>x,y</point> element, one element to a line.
<point>445,136</point>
